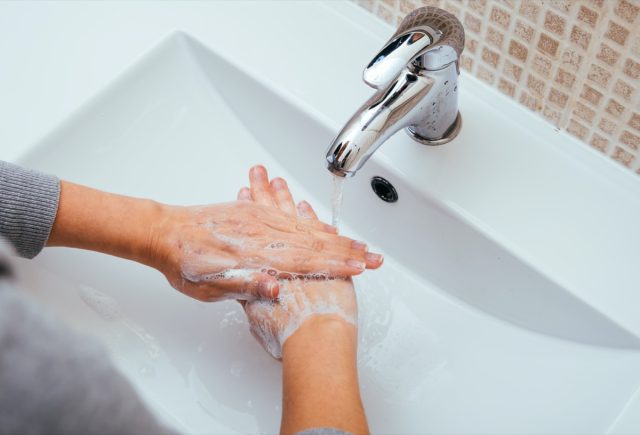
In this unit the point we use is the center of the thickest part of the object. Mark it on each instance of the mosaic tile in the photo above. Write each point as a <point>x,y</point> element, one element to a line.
<point>599,142</point>
<point>627,11</point>
<point>617,33</point>
<point>588,16</point>
<point>555,23</point>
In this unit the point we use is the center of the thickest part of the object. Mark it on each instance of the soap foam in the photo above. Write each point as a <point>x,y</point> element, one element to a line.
<point>292,309</point>
<point>238,243</point>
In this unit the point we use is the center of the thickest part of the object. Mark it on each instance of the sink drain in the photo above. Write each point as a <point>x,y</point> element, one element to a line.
<point>384,189</point>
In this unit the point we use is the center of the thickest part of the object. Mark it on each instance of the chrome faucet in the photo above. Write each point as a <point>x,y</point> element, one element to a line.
<point>416,74</point>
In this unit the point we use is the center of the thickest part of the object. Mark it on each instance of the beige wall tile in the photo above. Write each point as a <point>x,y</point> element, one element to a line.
<point>627,10</point>
<point>548,45</point>
<point>588,16</point>
<point>555,23</point>
<point>632,69</point>
<point>623,156</point>
<point>634,121</point>
<point>599,142</point>
<point>631,140</point>
<point>607,54</point>
<point>617,33</point>
<point>580,37</point>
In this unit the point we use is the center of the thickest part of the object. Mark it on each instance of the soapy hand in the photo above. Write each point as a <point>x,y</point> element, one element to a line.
<point>272,322</point>
<point>239,250</point>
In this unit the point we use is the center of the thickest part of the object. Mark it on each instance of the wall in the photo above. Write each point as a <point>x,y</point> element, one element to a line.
<point>574,62</point>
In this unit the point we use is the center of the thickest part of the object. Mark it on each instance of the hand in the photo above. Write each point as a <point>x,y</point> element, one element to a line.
<point>235,250</point>
<point>312,328</point>
<point>238,250</point>
<point>273,322</point>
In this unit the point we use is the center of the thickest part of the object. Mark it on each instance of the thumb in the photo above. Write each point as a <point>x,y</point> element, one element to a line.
<point>246,285</point>
<point>264,286</point>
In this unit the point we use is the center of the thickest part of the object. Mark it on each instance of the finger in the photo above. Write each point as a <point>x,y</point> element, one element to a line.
<point>282,196</point>
<point>259,184</point>
<point>306,211</point>
<point>373,260</point>
<point>242,285</point>
<point>309,262</point>
<point>332,242</point>
<point>309,225</point>
<point>244,194</point>
<point>272,347</point>
<point>330,250</point>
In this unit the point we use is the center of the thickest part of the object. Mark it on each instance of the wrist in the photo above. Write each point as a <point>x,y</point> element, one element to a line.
<point>322,332</point>
<point>320,377</point>
<point>147,232</point>
<point>105,222</point>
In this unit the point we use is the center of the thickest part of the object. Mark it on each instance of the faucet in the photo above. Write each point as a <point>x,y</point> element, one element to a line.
<point>416,77</point>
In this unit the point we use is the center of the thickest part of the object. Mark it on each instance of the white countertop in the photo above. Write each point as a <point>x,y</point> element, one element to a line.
<point>559,205</point>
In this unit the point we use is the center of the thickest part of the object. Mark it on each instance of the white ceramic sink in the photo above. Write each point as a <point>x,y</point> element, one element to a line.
<point>457,334</point>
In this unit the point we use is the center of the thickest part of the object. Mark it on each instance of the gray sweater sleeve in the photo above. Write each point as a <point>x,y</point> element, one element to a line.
<point>28,206</point>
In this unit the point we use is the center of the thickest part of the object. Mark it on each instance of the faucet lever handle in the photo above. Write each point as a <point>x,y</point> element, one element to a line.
<point>396,55</point>
<point>428,37</point>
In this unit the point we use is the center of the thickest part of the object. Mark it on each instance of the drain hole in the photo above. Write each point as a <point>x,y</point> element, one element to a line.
<point>384,189</point>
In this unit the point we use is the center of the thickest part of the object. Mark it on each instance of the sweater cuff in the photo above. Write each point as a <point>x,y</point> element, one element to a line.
<point>28,207</point>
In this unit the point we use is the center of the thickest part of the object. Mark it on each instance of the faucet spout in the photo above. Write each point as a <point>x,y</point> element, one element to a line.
<point>386,112</point>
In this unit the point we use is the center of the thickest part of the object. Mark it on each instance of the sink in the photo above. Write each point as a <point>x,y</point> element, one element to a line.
<point>457,333</point>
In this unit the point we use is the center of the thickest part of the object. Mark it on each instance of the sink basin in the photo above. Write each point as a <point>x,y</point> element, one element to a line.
<point>457,333</point>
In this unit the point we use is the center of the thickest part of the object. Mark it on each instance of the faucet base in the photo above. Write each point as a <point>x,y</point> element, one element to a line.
<point>449,135</point>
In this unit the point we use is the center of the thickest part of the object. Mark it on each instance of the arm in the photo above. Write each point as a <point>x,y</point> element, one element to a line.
<point>320,378</point>
<point>209,252</point>
<point>312,328</point>
<point>105,222</point>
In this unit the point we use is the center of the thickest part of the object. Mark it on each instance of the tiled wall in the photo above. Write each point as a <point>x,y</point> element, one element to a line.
<point>575,62</point>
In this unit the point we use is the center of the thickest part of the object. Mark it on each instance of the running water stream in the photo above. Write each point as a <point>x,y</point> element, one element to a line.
<point>336,199</point>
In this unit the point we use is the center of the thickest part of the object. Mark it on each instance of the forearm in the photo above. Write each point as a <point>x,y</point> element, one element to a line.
<point>320,378</point>
<point>99,221</point>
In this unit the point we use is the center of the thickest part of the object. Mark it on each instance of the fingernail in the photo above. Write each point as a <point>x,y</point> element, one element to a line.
<point>273,288</point>
<point>357,264</point>
<point>279,183</point>
<point>360,246</point>
<point>374,258</point>
<point>259,171</point>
